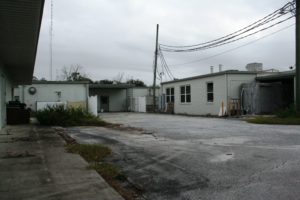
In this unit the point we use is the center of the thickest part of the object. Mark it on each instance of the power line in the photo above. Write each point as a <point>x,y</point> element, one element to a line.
<point>233,49</point>
<point>287,8</point>
<point>225,41</point>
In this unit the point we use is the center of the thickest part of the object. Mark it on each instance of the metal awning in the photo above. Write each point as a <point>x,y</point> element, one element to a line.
<point>20,22</point>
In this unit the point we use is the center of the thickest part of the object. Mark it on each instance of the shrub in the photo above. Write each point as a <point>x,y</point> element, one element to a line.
<point>59,116</point>
<point>288,112</point>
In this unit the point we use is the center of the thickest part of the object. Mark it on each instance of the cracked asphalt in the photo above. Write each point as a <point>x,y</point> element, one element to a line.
<point>193,158</point>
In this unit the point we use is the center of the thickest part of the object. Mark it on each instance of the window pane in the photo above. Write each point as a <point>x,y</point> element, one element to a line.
<point>182,90</point>
<point>172,91</point>
<point>168,91</point>
<point>168,99</point>
<point>188,89</point>
<point>188,98</point>
<point>210,97</point>
<point>210,87</point>
<point>182,99</point>
<point>172,99</point>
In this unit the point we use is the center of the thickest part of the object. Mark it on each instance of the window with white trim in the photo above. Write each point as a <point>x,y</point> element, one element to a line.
<point>185,94</point>
<point>170,95</point>
<point>210,92</point>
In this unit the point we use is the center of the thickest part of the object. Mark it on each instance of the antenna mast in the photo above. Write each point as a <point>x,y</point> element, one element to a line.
<point>51,41</point>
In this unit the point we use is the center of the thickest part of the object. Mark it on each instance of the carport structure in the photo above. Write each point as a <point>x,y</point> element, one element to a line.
<point>277,91</point>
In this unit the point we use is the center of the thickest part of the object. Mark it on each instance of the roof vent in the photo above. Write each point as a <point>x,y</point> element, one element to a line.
<point>254,67</point>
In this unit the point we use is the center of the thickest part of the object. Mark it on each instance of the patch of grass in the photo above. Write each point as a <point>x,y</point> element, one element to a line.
<point>60,116</point>
<point>90,152</point>
<point>107,170</point>
<point>275,120</point>
<point>95,154</point>
<point>287,116</point>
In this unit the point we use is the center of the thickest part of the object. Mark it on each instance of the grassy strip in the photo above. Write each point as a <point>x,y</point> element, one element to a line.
<point>95,155</point>
<point>90,152</point>
<point>275,120</point>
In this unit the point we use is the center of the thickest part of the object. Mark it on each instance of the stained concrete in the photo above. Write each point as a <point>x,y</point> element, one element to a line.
<point>191,158</point>
<point>35,165</point>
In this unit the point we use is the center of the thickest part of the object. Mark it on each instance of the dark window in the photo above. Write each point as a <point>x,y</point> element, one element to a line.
<point>170,95</point>
<point>185,94</point>
<point>210,92</point>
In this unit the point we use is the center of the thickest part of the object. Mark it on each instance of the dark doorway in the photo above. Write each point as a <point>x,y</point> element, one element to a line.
<point>104,103</point>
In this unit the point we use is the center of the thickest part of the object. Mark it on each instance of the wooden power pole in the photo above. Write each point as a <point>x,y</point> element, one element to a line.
<point>297,89</point>
<point>155,68</point>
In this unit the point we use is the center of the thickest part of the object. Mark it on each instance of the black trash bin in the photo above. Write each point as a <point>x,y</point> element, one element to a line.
<point>16,113</point>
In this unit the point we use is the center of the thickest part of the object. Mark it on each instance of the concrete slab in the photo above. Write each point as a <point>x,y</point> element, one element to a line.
<point>35,165</point>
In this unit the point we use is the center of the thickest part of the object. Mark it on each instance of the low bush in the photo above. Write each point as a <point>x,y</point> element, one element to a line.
<point>288,112</point>
<point>288,116</point>
<point>60,116</point>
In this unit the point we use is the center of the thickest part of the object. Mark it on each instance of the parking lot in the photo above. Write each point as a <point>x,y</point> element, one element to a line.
<point>182,157</point>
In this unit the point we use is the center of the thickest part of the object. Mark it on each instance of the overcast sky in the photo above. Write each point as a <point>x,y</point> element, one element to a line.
<point>109,37</point>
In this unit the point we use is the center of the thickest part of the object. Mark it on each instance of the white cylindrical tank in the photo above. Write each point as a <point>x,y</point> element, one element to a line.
<point>92,105</point>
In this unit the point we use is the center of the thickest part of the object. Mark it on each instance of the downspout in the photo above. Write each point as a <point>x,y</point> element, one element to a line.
<point>227,102</point>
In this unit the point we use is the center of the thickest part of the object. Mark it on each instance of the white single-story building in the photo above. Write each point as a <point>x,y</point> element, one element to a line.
<point>209,94</point>
<point>20,28</point>
<point>42,93</point>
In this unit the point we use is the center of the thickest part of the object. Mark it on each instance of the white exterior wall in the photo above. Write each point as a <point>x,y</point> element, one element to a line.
<point>48,93</point>
<point>5,95</point>
<point>226,86</point>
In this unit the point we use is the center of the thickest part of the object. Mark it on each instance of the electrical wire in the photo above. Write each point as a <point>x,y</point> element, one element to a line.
<point>287,8</point>
<point>224,42</point>
<point>233,49</point>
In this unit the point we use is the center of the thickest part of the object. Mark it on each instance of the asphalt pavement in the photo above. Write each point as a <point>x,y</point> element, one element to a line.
<point>191,158</point>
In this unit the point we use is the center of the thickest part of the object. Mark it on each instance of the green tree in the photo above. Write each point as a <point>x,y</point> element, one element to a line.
<point>136,82</point>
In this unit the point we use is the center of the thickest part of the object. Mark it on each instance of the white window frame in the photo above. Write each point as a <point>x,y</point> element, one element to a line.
<point>170,95</point>
<point>185,94</point>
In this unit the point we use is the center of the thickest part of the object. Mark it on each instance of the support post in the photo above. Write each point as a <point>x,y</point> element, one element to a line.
<point>297,55</point>
<point>155,68</point>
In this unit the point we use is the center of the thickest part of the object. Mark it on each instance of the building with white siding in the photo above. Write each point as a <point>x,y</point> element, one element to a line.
<point>20,27</point>
<point>70,93</point>
<point>209,94</point>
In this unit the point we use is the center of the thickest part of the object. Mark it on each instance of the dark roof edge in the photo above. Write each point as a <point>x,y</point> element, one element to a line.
<point>281,75</point>
<point>39,32</point>
<point>211,75</point>
<point>60,82</point>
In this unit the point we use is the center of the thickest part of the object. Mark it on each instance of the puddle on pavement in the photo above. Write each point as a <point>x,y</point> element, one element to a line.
<point>222,158</point>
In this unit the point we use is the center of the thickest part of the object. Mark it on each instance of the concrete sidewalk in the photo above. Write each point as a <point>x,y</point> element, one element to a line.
<point>35,165</point>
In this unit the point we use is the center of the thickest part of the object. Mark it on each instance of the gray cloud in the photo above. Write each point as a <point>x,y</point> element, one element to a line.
<point>110,37</point>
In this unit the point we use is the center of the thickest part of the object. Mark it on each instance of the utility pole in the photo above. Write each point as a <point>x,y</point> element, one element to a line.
<point>298,55</point>
<point>155,68</point>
